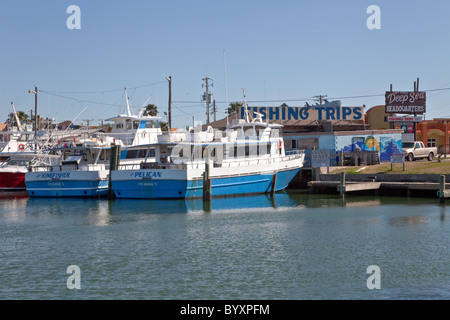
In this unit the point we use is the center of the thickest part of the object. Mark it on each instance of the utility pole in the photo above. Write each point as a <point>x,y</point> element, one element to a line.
<point>35,115</point>
<point>88,122</point>
<point>320,98</point>
<point>416,89</point>
<point>170,103</point>
<point>214,109</point>
<point>207,96</point>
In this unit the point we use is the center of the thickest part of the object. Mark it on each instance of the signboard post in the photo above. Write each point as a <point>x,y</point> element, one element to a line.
<point>320,158</point>
<point>398,158</point>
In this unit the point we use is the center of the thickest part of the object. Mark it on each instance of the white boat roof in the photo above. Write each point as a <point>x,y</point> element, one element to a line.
<point>132,117</point>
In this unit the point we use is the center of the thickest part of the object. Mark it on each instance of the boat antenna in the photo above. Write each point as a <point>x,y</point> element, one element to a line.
<point>246,113</point>
<point>128,103</point>
<point>19,125</point>
<point>225,73</point>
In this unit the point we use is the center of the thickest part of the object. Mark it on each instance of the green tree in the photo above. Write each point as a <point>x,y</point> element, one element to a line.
<point>164,126</point>
<point>234,107</point>
<point>151,110</point>
<point>23,117</point>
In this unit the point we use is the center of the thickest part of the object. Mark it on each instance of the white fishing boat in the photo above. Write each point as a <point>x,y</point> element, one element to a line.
<point>249,157</point>
<point>83,170</point>
<point>12,171</point>
<point>23,147</point>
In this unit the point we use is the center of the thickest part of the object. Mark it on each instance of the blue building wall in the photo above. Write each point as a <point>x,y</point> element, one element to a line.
<point>385,143</point>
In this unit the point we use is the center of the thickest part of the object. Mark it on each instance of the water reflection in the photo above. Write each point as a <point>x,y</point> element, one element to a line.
<point>279,200</point>
<point>13,204</point>
<point>99,213</point>
<point>102,212</point>
<point>94,212</point>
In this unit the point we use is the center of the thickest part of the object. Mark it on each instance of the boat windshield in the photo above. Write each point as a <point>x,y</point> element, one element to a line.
<point>17,162</point>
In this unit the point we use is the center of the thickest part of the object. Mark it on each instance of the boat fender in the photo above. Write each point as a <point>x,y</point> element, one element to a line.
<point>21,147</point>
<point>280,143</point>
<point>143,134</point>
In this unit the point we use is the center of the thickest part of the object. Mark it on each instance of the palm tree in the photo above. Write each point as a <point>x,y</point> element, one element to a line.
<point>151,110</point>
<point>234,107</point>
<point>23,117</point>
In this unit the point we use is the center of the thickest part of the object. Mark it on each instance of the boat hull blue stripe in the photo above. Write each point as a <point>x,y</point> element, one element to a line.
<point>167,189</point>
<point>67,188</point>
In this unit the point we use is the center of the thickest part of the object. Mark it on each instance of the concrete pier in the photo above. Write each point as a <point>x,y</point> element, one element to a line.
<point>423,185</point>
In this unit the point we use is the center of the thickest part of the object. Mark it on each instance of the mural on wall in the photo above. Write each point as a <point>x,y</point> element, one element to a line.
<point>385,145</point>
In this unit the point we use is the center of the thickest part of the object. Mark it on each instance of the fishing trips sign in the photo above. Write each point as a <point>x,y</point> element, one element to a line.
<point>312,113</point>
<point>412,102</point>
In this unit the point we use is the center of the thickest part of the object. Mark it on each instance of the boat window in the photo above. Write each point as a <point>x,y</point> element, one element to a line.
<point>275,133</point>
<point>22,163</point>
<point>135,124</point>
<point>259,130</point>
<point>249,132</point>
<point>132,154</point>
<point>240,151</point>
<point>151,124</point>
<point>239,132</point>
<point>102,155</point>
<point>142,153</point>
<point>119,126</point>
<point>128,124</point>
<point>76,153</point>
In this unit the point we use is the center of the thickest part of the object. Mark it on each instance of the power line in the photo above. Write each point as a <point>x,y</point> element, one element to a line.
<point>80,100</point>
<point>104,91</point>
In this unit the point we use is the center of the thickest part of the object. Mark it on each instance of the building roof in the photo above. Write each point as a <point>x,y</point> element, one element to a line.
<point>221,123</point>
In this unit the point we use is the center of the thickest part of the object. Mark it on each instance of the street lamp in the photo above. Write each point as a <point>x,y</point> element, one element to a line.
<point>35,91</point>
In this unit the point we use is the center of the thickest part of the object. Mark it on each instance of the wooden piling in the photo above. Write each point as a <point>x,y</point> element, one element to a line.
<point>114,162</point>
<point>441,193</point>
<point>342,184</point>
<point>207,182</point>
<point>274,184</point>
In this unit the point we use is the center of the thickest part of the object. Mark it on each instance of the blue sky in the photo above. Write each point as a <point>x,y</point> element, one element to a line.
<point>278,50</point>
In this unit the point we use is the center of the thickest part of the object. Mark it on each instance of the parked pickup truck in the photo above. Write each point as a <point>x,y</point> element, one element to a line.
<point>416,150</point>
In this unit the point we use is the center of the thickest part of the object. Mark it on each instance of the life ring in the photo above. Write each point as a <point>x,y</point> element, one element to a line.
<point>280,144</point>
<point>21,147</point>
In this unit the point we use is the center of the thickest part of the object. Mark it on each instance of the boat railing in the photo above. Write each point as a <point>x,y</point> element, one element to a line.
<point>292,154</point>
<point>226,163</point>
<point>70,167</point>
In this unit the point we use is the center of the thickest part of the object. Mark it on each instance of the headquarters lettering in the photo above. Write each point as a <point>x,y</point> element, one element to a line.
<point>409,102</point>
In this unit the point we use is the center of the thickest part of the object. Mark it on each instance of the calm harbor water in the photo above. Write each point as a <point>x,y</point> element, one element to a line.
<point>294,246</point>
